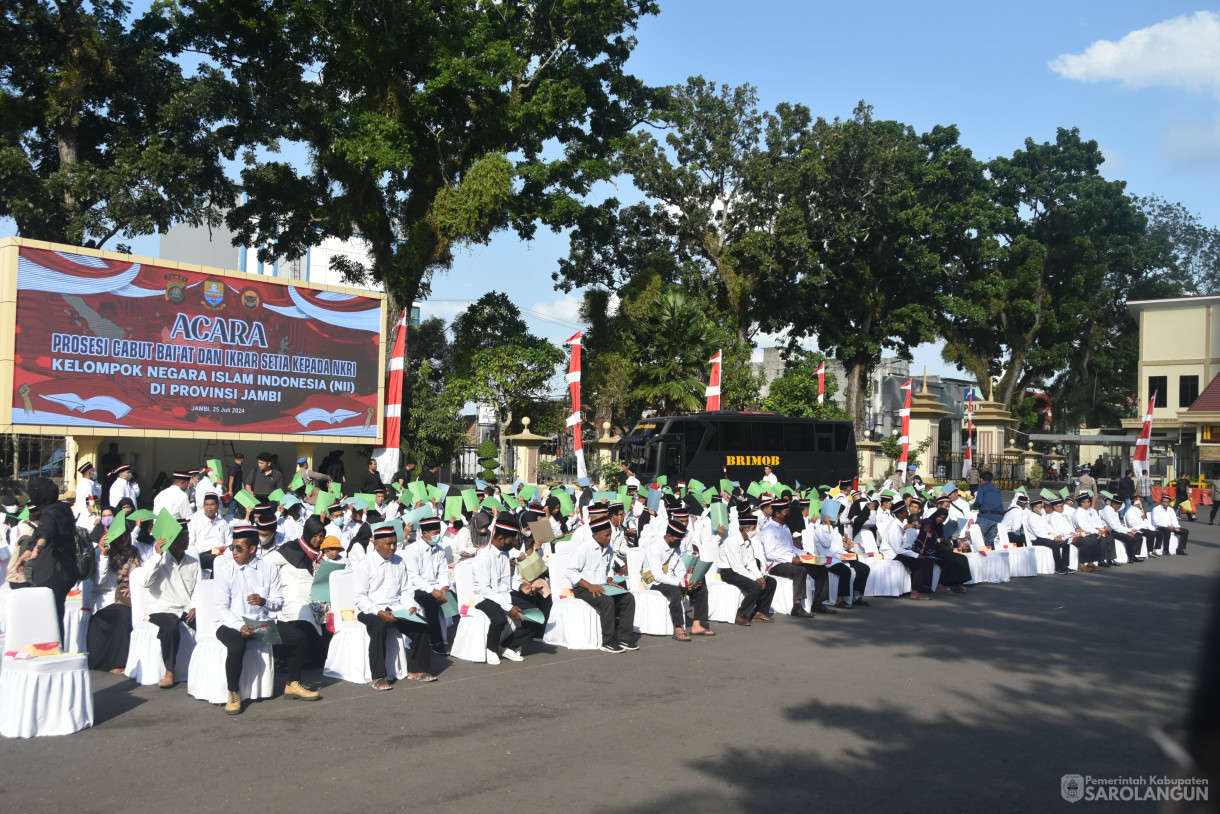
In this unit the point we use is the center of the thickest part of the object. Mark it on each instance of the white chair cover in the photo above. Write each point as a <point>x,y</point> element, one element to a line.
<point>651,608</point>
<point>573,622</point>
<point>48,695</point>
<point>781,602</point>
<point>888,578</point>
<point>348,656</point>
<point>144,662</point>
<point>832,590</point>
<point>5,590</point>
<point>723,599</point>
<point>992,568</point>
<point>206,673</point>
<point>78,610</point>
<point>470,641</point>
<point>1023,562</point>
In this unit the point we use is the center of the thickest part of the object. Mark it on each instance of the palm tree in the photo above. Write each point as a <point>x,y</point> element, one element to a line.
<point>672,348</point>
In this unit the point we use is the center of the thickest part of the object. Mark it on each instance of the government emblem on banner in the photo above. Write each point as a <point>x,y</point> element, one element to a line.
<point>251,299</point>
<point>175,288</point>
<point>214,294</point>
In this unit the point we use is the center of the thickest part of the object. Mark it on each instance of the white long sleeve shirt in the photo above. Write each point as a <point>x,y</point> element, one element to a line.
<point>1089,521</point>
<point>1136,520</point>
<point>85,489</point>
<point>1037,525</point>
<point>236,582</point>
<point>590,562</point>
<point>1014,520</point>
<point>382,584</point>
<point>171,583</point>
<point>297,584</point>
<point>1061,526</point>
<point>207,534</point>
<point>1164,517</point>
<point>493,576</point>
<point>122,488</point>
<point>174,501</point>
<point>777,544</point>
<point>737,554</point>
<point>890,537</point>
<point>664,563</point>
<point>1109,516</point>
<point>427,568</point>
<point>827,541</point>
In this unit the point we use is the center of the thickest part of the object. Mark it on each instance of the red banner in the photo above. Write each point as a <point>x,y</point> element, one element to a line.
<point>110,343</point>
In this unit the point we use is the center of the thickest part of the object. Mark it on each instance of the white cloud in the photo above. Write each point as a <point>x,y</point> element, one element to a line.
<point>1192,145</point>
<point>564,309</point>
<point>1182,52</point>
<point>445,309</point>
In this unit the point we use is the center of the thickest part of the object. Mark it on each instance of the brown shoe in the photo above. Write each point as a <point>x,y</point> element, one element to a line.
<point>741,620</point>
<point>233,707</point>
<point>299,692</point>
<point>763,617</point>
<point>168,681</point>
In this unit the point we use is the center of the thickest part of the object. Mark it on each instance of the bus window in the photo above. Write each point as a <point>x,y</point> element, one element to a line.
<point>768,436</point>
<point>826,438</point>
<point>734,436</point>
<point>693,432</point>
<point>798,437</point>
<point>842,437</point>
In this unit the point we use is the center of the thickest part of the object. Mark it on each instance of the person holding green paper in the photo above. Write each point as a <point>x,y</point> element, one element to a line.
<point>784,560</point>
<point>428,576</point>
<point>826,540</point>
<point>502,594</point>
<point>109,635</point>
<point>296,561</point>
<point>387,509</point>
<point>209,533</point>
<point>249,587</point>
<point>383,587</point>
<point>590,570</point>
<point>739,568</point>
<point>170,577</point>
<point>338,526</point>
<point>664,560</point>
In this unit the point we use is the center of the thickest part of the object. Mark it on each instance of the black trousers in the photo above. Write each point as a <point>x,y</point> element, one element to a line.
<point>1058,550</point>
<point>1162,539</point>
<point>1016,538</point>
<point>861,571</point>
<point>1088,548</point>
<point>169,635</point>
<point>1109,547</point>
<point>920,569</point>
<point>498,617</point>
<point>419,654</point>
<point>296,648</point>
<point>698,602</point>
<point>109,637</point>
<point>954,568</point>
<point>1131,542</point>
<point>432,612</point>
<point>755,598</point>
<point>799,574</point>
<point>1215,507</point>
<point>617,614</point>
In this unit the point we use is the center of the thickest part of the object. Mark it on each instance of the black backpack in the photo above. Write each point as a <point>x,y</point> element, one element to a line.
<point>83,557</point>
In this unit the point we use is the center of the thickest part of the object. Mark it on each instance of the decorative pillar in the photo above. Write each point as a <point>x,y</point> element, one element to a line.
<point>605,444</point>
<point>77,450</point>
<point>525,448</point>
<point>869,451</point>
<point>991,421</point>
<point>926,413</point>
<point>304,449</point>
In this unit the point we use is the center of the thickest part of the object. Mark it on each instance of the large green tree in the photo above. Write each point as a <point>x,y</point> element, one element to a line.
<point>509,377</point>
<point>795,393</point>
<point>427,123</point>
<point>101,132</point>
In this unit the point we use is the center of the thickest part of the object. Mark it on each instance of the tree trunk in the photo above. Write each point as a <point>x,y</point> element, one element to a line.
<point>853,392</point>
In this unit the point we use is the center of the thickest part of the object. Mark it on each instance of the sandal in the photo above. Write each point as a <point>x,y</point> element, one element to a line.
<point>424,677</point>
<point>705,632</point>
<point>381,685</point>
<point>920,598</point>
<point>682,638</point>
<point>960,590</point>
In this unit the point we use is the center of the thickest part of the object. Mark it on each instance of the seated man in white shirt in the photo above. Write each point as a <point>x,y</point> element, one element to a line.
<point>249,587</point>
<point>209,533</point>
<point>1118,529</point>
<point>501,592</point>
<point>1039,532</point>
<point>663,560</point>
<point>784,560</point>
<point>269,536</point>
<point>382,585</point>
<point>1089,523</point>
<point>170,577</point>
<point>428,574</point>
<point>590,568</point>
<point>1013,523</point>
<point>174,499</point>
<point>739,568</point>
<point>1165,521</point>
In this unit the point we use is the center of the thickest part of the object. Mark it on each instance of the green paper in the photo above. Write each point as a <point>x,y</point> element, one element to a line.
<point>470,498</point>
<point>754,489</point>
<point>698,572</point>
<point>320,591</point>
<point>526,493</point>
<point>492,503</point>
<point>663,480</point>
<point>118,527</point>
<point>613,590</point>
<point>532,567</point>
<point>405,613</point>
<point>532,615</point>
<point>419,491</point>
<point>453,508</point>
<point>369,500</point>
<point>1047,494</point>
<point>335,488</point>
<point>598,497</point>
<point>166,528</point>
<point>276,496</point>
<point>218,469</point>
<point>565,501</point>
<point>449,608</point>
<point>720,516</point>
<point>1063,493</point>
<point>436,493</point>
<point>140,515</point>
<point>708,495</point>
<point>622,495</point>
<point>512,502</point>
<point>726,486</point>
<point>397,487</point>
<point>694,485</point>
<point>246,499</point>
<point>295,483</point>
<point>25,514</point>
<point>264,631</point>
<point>325,499</point>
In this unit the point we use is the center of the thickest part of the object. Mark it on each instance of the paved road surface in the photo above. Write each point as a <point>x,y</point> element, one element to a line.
<point>974,703</point>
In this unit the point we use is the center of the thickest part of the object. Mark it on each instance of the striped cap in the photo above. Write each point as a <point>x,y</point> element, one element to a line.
<point>599,525</point>
<point>747,519</point>
<point>265,521</point>
<point>181,474</point>
<point>674,530</point>
<point>385,533</point>
<point>430,524</point>
<point>506,525</point>
<point>245,532</point>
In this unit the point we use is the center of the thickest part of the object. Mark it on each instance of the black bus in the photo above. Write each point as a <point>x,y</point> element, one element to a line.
<point>707,445</point>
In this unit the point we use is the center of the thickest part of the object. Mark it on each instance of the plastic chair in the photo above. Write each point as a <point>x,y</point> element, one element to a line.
<point>723,599</point>
<point>573,622</point>
<point>886,577</point>
<point>144,662</point>
<point>470,641</point>
<point>206,673</point>
<point>348,656</point>
<point>993,568</point>
<point>78,610</point>
<point>44,695</point>
<point>651,607</point>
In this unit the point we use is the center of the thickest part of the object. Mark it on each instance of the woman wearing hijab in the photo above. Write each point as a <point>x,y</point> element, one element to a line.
<point>954,567</point>
<point>296,561</point>
<point>110,628</point>
<point>51,561</point>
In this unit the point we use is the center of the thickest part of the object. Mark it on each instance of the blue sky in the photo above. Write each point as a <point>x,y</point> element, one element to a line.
<point>1142,79</point>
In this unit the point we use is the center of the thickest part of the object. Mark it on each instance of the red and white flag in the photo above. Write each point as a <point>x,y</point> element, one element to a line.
<point>713,385</point>
<point>387,456</point>
<point>574,419</point>
<point>1139,464</point>
<point>905,438</point>
<point>822,383</point>
<point>968,460</point>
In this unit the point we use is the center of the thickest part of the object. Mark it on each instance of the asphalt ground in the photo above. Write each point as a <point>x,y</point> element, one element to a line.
<point>972,703</point>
